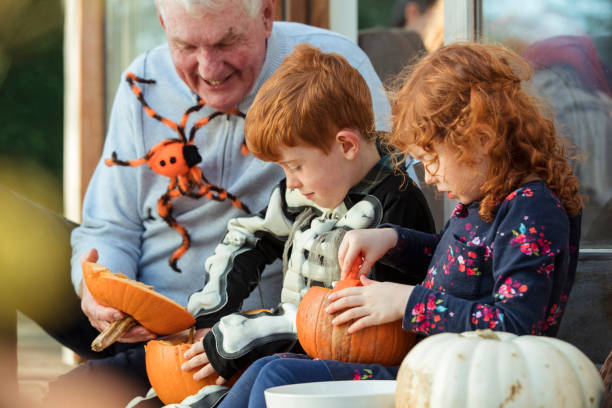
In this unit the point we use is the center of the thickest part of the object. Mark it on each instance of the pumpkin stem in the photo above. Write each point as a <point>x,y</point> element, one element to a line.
<point>114,330</point>
<point>487,334</point>
<point>354,272</point>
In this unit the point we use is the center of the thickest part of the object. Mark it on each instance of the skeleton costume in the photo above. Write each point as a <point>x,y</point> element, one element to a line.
<point>306,237</point>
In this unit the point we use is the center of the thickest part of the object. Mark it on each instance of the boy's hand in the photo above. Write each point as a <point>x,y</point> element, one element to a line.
<point>372,304</point>
<point>371,244</point>
<point>197,358</point>
<point>101,316</point>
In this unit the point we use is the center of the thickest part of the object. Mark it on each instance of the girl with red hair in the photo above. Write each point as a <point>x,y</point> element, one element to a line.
<point>506,258</point>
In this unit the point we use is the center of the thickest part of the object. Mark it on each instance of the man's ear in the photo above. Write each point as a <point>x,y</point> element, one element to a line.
<point>349,142</point>
<point>159,16</point>
<point>268,14</point>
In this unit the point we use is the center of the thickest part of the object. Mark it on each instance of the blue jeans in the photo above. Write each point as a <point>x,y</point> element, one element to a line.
<point>272,371</point>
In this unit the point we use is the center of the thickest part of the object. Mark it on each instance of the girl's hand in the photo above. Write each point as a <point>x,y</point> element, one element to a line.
<point>197,359</point>
<point>371,244</point>
<point>372,304</point>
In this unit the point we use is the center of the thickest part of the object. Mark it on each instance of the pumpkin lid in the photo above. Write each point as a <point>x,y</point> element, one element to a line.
<point>151,309</point>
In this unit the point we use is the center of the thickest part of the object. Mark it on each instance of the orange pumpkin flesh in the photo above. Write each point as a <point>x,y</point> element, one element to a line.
<point>151,309</point>
<point>386,344</point>
<point>172,385</point>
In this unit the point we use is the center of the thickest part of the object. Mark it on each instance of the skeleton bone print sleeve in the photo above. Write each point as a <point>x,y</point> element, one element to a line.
<point>234,270</point>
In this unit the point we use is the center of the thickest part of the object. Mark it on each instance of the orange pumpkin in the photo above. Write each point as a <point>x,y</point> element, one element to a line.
<point>386,344</point>
<point>164,359</point>
<point>151,309</point>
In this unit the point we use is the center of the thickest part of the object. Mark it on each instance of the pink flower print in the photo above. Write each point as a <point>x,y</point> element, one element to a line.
<point>366,375</point>
<point>526,249</point>
<point>520,239</point>
<point>468,226</point>
<point>532,230</point>
<point>547,269</point>
<point>418,312</point>
<point>472,254</point>
<point>528,192</point>
<point>461,263</point>
<point>487,252</point>
<point>431,303</point>
<point>511,196</point>
<point>510,289</point>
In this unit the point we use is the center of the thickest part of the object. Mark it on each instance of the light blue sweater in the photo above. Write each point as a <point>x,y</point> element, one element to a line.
<point>120,216</point>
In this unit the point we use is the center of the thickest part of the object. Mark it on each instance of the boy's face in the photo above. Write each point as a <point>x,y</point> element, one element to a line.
<point>324,179</point>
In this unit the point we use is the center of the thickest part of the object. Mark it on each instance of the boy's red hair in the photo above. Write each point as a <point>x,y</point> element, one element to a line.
<point>306,101</point>
<point>470,94</point>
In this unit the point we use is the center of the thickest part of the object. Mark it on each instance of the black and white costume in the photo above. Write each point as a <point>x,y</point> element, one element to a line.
<point>306,237</point>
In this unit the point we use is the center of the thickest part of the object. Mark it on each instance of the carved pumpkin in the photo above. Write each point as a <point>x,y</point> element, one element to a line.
<point>386,344</point>
<point>151,309</point>
<point>482,369</point>
<point>164,359</point>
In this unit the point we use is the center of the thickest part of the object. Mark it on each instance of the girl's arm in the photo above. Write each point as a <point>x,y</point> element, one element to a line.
<point>530,271</point>
<point>388,244</point>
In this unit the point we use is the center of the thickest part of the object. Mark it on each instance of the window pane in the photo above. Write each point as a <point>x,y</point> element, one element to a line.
<point>131,29</point>
<point>570,45</point>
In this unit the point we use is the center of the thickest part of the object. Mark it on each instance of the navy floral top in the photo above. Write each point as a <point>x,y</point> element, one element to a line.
<point>513,274</point>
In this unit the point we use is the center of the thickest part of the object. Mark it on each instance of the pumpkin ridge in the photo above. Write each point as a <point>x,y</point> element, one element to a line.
<point>562,349</point>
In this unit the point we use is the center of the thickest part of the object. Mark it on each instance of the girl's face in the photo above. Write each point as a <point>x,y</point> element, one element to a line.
<point>450,176</point>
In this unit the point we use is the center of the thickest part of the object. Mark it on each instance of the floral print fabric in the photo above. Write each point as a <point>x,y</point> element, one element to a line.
<point>512,274</point>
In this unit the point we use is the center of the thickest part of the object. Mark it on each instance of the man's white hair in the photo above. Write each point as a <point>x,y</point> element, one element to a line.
<point>199,7</point>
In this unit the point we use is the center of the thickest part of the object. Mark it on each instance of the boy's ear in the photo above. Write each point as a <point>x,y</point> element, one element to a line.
<point>348,140</point>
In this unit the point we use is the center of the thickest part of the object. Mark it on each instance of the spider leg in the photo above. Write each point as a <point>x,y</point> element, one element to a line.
<point>134,163</point>
<point>164,208</point>
<point>220,194</point>
<point>212,191</point>
<point>131,78</point>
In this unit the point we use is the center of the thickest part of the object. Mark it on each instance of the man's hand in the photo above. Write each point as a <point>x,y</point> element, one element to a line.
<point>197,358</point>
<point>101,316</point>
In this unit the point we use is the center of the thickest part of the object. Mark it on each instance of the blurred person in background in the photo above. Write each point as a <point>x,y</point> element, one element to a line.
<point>426,17</point>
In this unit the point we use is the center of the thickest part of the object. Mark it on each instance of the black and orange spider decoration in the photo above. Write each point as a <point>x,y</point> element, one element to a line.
<point>177,159</point>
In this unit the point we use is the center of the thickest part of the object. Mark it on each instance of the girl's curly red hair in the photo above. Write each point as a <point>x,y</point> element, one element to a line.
<point>469,94</point>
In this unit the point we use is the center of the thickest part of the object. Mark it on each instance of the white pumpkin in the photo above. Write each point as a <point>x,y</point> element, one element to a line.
<point>484,369</point>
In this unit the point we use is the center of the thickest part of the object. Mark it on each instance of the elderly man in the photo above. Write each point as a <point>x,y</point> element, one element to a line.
<point>154,224</point>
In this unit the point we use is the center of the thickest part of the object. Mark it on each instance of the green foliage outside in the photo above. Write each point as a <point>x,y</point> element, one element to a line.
<point>31,99</point>
<point>374,13</point>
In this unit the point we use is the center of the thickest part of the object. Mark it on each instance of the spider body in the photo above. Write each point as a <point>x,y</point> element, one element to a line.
<point>177,159</point>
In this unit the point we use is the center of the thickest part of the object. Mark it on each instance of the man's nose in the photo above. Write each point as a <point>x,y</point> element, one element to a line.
<point>209,62</point>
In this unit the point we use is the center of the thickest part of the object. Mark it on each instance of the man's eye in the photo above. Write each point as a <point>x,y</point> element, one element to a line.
<point>183,47</point>
<point>225,45</point>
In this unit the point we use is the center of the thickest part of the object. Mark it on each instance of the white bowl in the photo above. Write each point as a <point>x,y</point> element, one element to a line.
<point>336,394</point>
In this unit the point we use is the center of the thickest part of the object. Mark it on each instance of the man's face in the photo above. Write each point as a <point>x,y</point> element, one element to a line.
<point>218,55</point>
